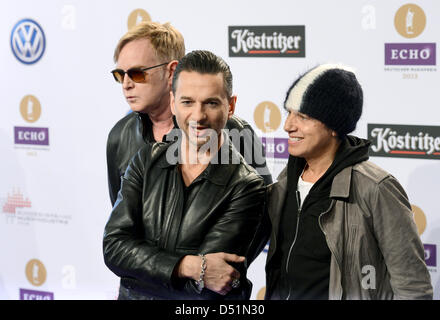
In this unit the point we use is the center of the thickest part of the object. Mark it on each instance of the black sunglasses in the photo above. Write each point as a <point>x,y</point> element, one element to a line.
<point>135,74</point>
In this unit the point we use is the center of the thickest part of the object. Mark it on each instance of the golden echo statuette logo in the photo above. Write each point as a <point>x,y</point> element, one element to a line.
<point>30,108</point>
<point>137,16</point>
<point>420,219</point>
<point>267,116</point>
<point>410,20</point>
<point>36,272</point>
<point>261,293</point>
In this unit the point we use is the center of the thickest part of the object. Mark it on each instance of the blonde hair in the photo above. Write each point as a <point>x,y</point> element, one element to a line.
<point>165,39</point>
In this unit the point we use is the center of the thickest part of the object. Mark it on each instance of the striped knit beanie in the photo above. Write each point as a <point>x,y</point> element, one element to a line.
<point>329,93</point>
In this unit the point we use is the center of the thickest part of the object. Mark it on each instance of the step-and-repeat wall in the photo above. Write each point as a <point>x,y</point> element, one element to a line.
<point>59,101</point>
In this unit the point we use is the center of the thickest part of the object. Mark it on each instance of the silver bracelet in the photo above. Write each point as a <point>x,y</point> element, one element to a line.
<point>201,282</point>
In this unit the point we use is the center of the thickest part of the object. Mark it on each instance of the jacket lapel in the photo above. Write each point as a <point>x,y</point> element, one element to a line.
<point>277,195</point>
<point>341,184</point>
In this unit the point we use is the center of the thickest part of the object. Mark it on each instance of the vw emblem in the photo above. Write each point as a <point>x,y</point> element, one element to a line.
<point>28,41</point>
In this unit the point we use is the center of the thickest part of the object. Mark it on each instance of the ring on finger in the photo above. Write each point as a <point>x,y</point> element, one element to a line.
<point>235,283</point>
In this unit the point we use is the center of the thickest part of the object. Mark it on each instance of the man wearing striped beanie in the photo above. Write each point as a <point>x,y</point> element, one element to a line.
<point>340,227</point>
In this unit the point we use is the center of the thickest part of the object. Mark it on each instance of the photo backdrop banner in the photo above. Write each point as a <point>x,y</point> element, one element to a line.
<point>59,102</point>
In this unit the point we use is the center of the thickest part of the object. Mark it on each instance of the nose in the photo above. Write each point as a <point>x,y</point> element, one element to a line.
<point>199,113</point>
<point>127,83</point>
<point>290,124</point>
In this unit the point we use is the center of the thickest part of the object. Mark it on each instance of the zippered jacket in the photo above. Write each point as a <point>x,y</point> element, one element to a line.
<point>376,252</point>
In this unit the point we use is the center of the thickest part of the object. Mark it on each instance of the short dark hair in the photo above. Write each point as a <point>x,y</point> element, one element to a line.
<point>204,62</point>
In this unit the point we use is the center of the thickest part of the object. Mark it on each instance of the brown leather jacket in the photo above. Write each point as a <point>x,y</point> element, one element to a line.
<point>370,231</point>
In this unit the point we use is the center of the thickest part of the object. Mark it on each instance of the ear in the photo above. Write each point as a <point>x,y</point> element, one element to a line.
<point>172,103</point>
<point>171,67</point>
<point>232,103</point>
<point>334,134</point>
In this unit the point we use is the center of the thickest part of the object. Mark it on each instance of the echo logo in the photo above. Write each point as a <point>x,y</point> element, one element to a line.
<point>430,255</point>
<point>26,294</point>
<point>419,218</point>
<point>36,272</point>
<point>410,20</point>
<point>136,17</point>
<point>267,116</point>
<point>35,136</point>
<point>276,148</point>
<point>261,293</point>
<point>30,108</point>
<point>410,54</point>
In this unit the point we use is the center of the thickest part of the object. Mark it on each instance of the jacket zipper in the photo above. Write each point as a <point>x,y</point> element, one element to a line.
<point>170,224</point>
<point>325,234</point>
<point>298,201</point>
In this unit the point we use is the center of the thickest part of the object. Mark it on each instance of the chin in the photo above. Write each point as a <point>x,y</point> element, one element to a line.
<point>136,108</point>
<point>200,142</point>
<point>295,153</point>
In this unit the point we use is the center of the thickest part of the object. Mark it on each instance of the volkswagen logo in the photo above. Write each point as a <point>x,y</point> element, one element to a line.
<point>28,41</point>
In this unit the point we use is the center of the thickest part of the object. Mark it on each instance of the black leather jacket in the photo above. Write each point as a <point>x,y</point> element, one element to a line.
<point>133,131</point>
<point>150,228</point>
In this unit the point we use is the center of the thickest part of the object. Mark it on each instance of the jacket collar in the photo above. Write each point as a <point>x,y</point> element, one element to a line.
<point>341,184</point>
<point>221,173</point>
<point>278,191</point>
<point>145,127</point>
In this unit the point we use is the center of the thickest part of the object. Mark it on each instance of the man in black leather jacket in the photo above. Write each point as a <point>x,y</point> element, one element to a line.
<point>181,204</point>
<point>157,47</point>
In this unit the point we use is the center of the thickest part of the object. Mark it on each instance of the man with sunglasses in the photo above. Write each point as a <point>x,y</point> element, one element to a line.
<point>177,212</point>
<point>146,57</point>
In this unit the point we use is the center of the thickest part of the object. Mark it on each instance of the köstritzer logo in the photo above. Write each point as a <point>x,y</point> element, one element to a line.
<point>28,41</point>
<point>404,141</point>
<point>267,41</point>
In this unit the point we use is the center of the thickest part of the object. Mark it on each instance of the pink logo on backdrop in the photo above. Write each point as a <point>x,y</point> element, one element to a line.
<point>14,201</point>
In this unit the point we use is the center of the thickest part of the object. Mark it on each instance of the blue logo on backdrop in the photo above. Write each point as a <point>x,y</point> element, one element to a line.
<point>28,41</point>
